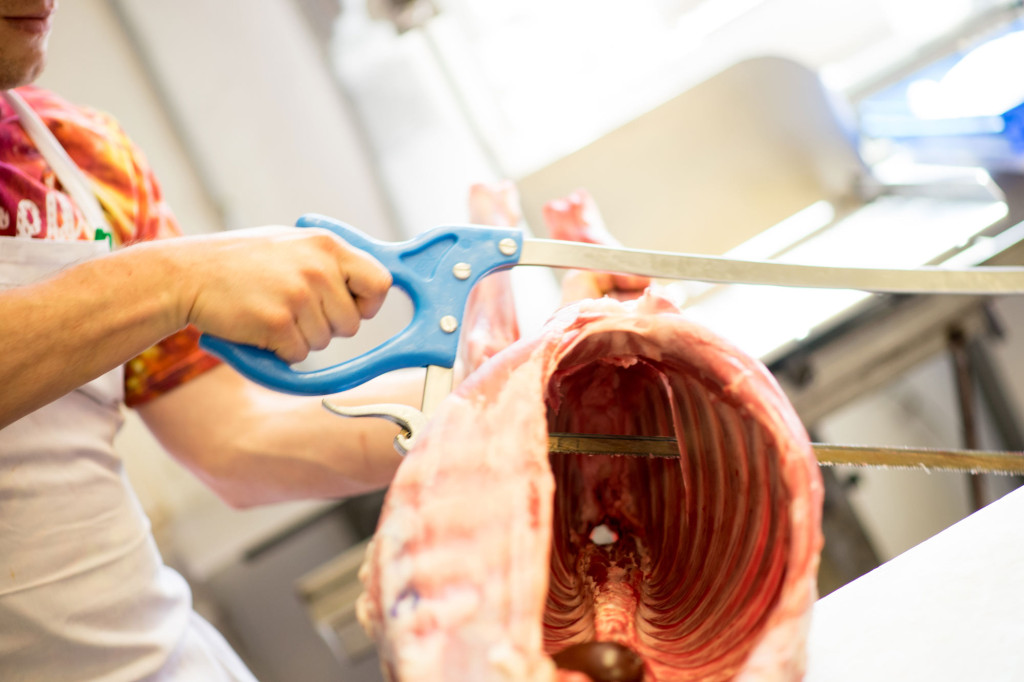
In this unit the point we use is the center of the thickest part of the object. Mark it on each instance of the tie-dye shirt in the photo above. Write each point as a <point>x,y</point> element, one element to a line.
<point>32,205</point>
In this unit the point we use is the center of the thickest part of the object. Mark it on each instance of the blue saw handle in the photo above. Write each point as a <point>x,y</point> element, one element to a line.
<point>423,268</point>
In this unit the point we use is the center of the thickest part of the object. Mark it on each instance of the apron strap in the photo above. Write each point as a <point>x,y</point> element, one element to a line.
<point>71,178</point>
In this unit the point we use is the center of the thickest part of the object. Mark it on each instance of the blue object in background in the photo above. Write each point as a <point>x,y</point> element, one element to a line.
<point>966,109</point>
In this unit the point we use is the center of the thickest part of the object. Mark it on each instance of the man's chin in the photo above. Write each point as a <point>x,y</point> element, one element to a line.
<point>16,75</point>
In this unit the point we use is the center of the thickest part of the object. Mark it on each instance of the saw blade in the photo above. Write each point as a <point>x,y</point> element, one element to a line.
<point>967,461</point>
<point>719,269</point>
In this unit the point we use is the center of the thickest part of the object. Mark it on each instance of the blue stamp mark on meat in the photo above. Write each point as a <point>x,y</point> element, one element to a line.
<point>406,602</point>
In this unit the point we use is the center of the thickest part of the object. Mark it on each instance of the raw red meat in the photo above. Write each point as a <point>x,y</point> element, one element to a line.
<point>489,323</point>
<point>576,218</point>
<point>492,555</point>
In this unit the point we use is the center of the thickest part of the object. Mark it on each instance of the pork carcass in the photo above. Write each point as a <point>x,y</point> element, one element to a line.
<point>497,560</point>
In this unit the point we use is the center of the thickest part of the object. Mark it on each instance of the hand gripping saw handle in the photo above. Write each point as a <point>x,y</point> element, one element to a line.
<point>437,270</point>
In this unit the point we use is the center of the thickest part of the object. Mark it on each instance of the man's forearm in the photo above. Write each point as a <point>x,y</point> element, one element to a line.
<point>255,446</point>
<point>69,329</point>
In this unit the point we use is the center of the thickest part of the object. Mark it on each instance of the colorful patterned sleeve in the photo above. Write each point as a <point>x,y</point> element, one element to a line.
<point>166,365</point>
<point>131,197</point>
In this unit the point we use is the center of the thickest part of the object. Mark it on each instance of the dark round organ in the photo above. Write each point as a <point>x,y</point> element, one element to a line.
<point>602,662</point>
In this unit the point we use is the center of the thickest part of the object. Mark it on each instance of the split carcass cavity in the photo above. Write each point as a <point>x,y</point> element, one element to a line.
<point>679,561</point>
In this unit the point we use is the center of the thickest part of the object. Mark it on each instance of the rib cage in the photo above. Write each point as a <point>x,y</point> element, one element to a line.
<point>724,497</point>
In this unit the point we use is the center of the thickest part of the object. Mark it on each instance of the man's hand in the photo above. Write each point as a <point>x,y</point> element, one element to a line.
<point>283,289</point>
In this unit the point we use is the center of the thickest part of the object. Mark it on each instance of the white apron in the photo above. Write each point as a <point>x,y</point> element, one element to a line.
<point>84,593</point>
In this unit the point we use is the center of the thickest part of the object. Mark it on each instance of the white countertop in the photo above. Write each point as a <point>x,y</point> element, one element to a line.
<point>949,610</point>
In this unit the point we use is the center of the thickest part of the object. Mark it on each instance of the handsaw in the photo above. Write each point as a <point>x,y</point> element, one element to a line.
<point>438,269</point>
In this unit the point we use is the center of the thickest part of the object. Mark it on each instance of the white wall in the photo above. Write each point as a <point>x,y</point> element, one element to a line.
<point>260,110</point>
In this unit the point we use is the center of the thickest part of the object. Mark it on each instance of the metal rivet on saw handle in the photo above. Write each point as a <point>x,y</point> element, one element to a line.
<point>449,324</point>
<point>462,270</point>
<point>508,246</point>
